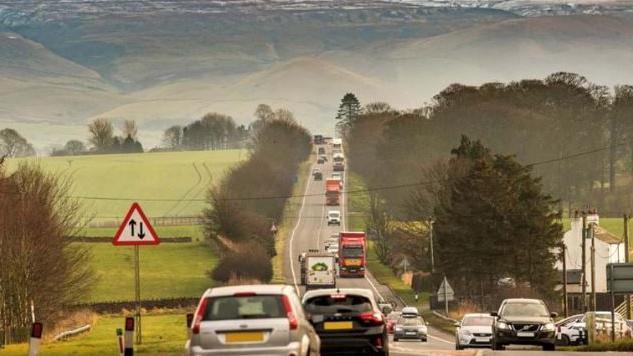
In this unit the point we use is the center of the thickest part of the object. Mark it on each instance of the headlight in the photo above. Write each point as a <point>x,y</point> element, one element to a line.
<point>502,325</point>
<point>422,329</point>
<point>548,327</point>
<point>398,328</point>
<point>465,332</point>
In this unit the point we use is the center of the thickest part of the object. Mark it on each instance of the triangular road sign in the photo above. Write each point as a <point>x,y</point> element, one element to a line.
<point>135,229</point>
<point>445,290</point>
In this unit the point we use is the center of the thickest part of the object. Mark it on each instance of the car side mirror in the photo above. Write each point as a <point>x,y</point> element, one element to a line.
<point>495,314</point>
<point>427,323</point>
<point>553,315</point>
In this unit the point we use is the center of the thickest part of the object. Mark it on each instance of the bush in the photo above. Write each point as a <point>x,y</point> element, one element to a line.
<point>251,263</point>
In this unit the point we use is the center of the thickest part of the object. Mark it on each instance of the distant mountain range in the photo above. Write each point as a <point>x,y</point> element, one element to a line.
<point>167,62</point>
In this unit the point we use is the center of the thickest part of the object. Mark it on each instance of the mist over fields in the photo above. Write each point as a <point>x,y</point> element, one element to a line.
<point>165,62</point>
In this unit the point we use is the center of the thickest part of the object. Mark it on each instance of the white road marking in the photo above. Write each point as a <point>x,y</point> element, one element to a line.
<point>440,339</point>
<point>292,235</point>
<point>320,230</point>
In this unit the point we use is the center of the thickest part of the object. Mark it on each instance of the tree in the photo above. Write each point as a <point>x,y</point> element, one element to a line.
<point>377,223</point>
<point>348,112</point>
<point>12,144</point>
<point>172,138</point>
<point>101,134</point>
<point>74,147</point>
<point>129,129</point>
<point>264,112</point>
<point>39,264</point>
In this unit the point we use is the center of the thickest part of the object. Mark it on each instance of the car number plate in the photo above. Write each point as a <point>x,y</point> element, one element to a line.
<point>244,336</point>
<point>354,262</point>
<point>338,325</point>
<point>411,333</point>
<point>482,339</point>
<point>525,334</point>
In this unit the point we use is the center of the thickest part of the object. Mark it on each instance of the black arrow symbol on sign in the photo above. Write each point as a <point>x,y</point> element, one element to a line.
<point>132,223</point>
<point>141,234</point>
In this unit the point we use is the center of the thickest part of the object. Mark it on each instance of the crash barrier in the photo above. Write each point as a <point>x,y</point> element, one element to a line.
<point>112,307</point>
<point>108,239</point>
<point>70,333</point>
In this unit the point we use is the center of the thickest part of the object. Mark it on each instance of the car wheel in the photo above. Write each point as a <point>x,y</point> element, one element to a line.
<point>458,347</point>
<point>549,347</point>
<point>496,346</point>
<point>564,341</point>
<point>395,339</point>
<point>423,339</point>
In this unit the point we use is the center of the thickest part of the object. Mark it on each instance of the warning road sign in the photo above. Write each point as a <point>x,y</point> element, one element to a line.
<point>135,229</point>
<point>445,292</point>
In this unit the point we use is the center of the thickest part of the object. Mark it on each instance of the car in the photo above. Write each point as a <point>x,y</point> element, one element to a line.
<point>251,320</point>
<point>523,322</point>
<point>321,150</point>
<point>320,160</point>
<point>330,241</point>
<point>333,248</point>
<point>603,324</point>
<point>410,327</point>
<point>334,217</point>
<point>339,167</point>
<point>569,331</point>
<point>475,330</point>
<point>391,320</point>
<point>324,158</point>
<point>337,175</point>
<point>347,320</point>
<point>410,312</point>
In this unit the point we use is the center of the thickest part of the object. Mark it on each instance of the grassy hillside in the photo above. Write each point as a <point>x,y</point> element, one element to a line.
<point>142,177</point>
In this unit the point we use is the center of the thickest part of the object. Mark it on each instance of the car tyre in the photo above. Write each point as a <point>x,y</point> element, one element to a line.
<point>564,341</point>
<point>458,347</point>
<point>549,347</point>
<point>496,346</point>
<point>395,339</point>
<point>423,339</point>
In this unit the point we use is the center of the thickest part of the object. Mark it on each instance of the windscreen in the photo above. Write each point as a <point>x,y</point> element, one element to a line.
<point>477,321</point>
<point>525,309</point>
<point>410,321</point>
<point>353,251</point>
<point>247,307</point>
<point>328,305</point>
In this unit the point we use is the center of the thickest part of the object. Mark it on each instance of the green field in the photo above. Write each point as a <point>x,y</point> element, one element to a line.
<point>193,231</point>
<point>142,177</point>
<point>162,335</point>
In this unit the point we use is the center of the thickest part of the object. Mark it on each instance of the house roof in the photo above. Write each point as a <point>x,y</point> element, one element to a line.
<point>605,236</point>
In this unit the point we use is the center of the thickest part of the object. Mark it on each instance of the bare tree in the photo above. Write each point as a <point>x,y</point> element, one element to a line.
<point>172,138</point>
<point>12,144</point>
<point>129,129</point>
<point>101,134</point>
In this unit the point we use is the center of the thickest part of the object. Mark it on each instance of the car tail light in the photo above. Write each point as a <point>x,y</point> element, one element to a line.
<point>202,308</point>
<point>244,294</point>
<point>378,342</point>
<point>338,296</point>
<point>292,319</point>
<point>371,318</point>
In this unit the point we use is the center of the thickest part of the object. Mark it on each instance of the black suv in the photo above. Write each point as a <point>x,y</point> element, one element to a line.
<point>348,321</point>
<point>523,322</point>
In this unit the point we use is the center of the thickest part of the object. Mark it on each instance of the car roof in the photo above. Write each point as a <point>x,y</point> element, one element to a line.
<point>523,300</point>
<point>409,309</point>
<point>256,288</point>
<point>333,211</point>
<point>476,315</point>
<point>353,291</point>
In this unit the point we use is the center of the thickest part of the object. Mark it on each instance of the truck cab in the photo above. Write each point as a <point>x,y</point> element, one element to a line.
<point>352,254</point>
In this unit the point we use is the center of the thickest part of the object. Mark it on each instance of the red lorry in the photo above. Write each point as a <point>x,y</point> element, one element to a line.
<point>332,191</point>
<point>352,254</point>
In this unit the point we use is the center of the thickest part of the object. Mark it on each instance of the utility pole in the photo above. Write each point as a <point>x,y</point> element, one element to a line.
<point>626,260</point>
<point>593,266</point>
<point>564,259</point>
<point>431,245</point>
<point>583,299</point>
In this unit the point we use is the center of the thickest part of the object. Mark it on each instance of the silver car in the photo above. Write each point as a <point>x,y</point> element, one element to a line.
<point>410,327</point>
<point>251,320</point>
<point>475,330</point>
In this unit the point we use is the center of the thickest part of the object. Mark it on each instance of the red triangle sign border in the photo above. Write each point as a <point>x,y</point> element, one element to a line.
<point>148,225</point>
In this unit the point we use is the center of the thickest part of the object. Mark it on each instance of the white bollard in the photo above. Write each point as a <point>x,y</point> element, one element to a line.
<point>36,339</point>
<point>119,337</point>
<point>129,336</point>
<point>189,321</point>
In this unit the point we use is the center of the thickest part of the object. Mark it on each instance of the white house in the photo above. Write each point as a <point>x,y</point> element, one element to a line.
<point>609,249</point>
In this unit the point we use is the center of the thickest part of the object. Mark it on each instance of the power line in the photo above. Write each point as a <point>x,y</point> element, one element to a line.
<point>357,191</point>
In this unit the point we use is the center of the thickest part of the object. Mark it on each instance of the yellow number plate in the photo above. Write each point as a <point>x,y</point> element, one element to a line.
<point>249,336</point>
<point>352,262</point>
<point>338,325</point>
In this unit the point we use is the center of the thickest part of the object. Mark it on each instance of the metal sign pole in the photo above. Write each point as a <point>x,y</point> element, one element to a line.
<point>612,303</point>
<point>137,290</point>
<point>446,296</point>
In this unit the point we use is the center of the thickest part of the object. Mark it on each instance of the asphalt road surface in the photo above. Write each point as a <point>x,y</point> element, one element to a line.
<point>311,230</point>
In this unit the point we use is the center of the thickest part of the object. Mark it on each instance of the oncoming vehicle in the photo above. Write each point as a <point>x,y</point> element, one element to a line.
<point>333,240</point>
<point>570,331</point>
<point>339,167</point>
<point>523,322</point>
<point>333,248</point>
<point>475,330</point>
<point>251,320</point>
<point>320,160</point>
<point>347,321</point>
<point>317,174</point>
<point>410,328</point>
<point>391,320</point>
<point>334,217</point>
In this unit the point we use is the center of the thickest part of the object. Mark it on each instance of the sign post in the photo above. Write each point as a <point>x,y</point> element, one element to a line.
<point>136,230</point>
<point>619,281</point>
<point>445,294</point>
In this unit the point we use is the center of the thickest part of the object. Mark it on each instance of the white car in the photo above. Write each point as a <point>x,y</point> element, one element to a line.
<point>570,331</point>
<point>334,217</point>
<point>603,324</point>
<point>475,330</point>
<point>333,248</point>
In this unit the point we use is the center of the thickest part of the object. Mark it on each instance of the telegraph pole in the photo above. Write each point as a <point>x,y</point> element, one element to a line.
<point>431,245</point>
<point>593,267</point>
<point>583,300</point>
<point>564,259</point>
<point>626,259</point>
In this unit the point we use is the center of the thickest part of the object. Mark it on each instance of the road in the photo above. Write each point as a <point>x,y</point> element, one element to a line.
<point>311,230</point>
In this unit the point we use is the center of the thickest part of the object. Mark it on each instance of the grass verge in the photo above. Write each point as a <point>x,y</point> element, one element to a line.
<point>291,212</point>
<point>193,231</point>
<point>623,345</point>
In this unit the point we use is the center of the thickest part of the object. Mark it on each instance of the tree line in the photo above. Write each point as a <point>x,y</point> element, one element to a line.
<point>243,207</point>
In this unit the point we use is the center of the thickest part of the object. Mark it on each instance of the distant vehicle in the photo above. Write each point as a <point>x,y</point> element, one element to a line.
<point>320,160</point>
<point>332,192</point>
<point>338,157</point>
<point>410,312</point>
<point>317,174</point>
<point>334,217</point>
<point>339,167</point>
<point>475,330</point>
<point>385,307</point>
<point>321,150</point>
<point>391,320</point>
<point>251,319</point>
<point>410,328</point>
<point>318,140</point>
<point>347,320</point>
<point>323,157</point>
<point>303,265</point>
<point>352,254</point>
<point>523,322</point>
<point>337,175</point>
<point>337,143</point>
<point>331,241</point>
<point>320,270</point>
<point>569,331</point>
<point>333,248</point>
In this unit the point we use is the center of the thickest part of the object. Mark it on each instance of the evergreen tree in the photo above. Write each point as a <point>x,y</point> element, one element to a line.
<point>348,112</point>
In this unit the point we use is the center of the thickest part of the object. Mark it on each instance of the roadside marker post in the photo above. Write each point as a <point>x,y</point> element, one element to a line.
<point>136,230</point>
<point>189,322</point>
<point>119,338</point>
<point>36,339</point>
<point>129,336</point>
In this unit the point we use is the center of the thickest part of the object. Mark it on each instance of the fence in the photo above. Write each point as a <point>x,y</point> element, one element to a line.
<point>14,335</point>
<point>156,221</point>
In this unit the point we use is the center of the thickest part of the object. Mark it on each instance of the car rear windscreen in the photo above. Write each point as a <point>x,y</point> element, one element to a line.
<point>328,305</point>
<point>244,307</point>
